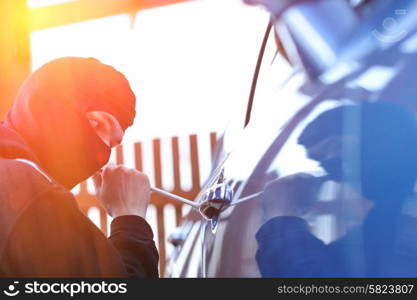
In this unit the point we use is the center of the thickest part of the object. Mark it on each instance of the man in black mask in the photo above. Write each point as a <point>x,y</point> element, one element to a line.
<point>372,148</point>
<point>65,119</point>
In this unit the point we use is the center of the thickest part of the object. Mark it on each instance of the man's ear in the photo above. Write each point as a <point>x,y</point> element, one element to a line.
<point>106,126</point>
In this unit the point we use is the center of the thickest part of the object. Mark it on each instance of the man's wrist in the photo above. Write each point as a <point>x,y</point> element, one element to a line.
<point>117,214</point>
<point>131,224</point>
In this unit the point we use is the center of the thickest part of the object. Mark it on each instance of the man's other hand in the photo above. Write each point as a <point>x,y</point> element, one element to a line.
<point>122,191</point>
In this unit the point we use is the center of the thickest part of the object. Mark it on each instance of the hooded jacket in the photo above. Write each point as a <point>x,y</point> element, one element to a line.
<point>47,146</point>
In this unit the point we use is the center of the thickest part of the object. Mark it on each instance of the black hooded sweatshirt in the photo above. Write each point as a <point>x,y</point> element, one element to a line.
<point>46,147</point>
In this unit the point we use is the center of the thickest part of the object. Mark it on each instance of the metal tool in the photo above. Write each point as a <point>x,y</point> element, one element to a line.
<point>174,197</point>
<point>219,198</point>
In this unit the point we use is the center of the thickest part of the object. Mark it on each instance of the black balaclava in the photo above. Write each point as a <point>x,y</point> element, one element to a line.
<point>49,114</point>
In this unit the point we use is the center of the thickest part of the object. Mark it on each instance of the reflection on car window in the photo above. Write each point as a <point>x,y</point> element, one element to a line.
<point>335,205</point>
<point>293,157</point>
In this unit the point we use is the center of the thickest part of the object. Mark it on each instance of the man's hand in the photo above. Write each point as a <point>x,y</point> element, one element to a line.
<point>122,191</point>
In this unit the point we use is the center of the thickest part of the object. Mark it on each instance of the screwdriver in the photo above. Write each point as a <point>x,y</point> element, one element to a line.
<point>174,197</point>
